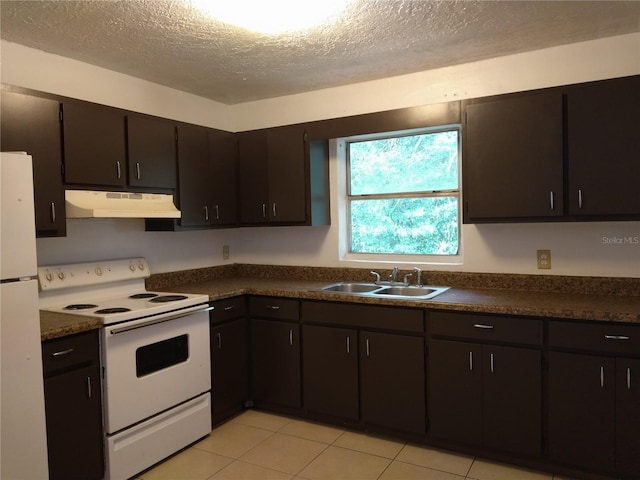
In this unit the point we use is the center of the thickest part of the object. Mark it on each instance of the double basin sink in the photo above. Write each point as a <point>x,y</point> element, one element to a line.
<point>386,291</point>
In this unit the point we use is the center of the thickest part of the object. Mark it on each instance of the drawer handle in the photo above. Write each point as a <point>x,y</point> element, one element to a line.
<point>616,337</point>
<point>229,307</point>
<point>273,307</point>
<point>483,326</point>
<point>62,352</point>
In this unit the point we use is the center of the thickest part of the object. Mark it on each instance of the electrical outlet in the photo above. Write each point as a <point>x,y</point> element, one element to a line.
<point>225,252</point>
<point>544,259</point>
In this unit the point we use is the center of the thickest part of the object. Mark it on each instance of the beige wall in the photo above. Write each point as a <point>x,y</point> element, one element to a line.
<point>577,248</point>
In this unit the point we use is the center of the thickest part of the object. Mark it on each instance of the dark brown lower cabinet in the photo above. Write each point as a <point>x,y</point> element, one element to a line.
<point>486,395</point>
<point>594,412</point>
<point>229,368</point>
<point>392,381</point>
<point>330,371</point>
<point>73,407</point>
<point>275,364</point>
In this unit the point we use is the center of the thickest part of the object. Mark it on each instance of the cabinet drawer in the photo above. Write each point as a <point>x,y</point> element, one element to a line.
<point>274,307</point>
<point>364,316</point>
<point>67,352</point>
<point>228,309</point>
<point>598,337</point>
<point>487,328</point>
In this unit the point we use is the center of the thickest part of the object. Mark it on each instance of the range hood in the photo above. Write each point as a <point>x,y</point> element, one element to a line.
<point>94,204</point>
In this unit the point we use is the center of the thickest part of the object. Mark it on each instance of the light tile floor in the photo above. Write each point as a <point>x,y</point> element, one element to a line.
<point>263,446</point>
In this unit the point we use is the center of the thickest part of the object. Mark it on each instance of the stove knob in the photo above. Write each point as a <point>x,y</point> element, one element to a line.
<point>98,271</point>
<point>132,267</point>
<point>141,266</point>
<point>61,276</point>
<point>49,276</point>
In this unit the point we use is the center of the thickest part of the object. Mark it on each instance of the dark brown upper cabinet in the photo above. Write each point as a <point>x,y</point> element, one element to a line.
<point>566,153</point>
<point>603,120</point>
<point>207,192</point>
<point>32,124</point>
<point>283,178</point>
<point>94,144</point>
<point>512,158</point>
<point>151,148</point>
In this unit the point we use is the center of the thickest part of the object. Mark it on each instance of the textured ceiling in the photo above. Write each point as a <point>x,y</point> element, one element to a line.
<point>171,43</point>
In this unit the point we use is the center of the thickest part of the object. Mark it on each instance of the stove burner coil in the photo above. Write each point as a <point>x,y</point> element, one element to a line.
<point>80,306</point>
<point>168,298</point>
<point>143,295</point>
<point>113,310</point>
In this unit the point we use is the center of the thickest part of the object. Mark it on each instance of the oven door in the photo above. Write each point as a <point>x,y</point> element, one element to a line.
<point>153,364</point>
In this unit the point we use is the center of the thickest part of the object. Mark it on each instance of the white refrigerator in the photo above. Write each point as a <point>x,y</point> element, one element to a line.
<point>23,435</point>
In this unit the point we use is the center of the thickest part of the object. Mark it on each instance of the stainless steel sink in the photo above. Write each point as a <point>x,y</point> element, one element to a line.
<point>352,287</point>
<point>395,291</point>
<point>422,293</point>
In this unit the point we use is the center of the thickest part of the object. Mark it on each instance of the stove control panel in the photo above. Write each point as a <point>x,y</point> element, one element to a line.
<point>54,277</point>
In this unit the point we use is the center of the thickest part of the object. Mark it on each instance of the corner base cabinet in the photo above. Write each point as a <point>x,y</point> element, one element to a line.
<point>594,397</point>
<point>73,407</point>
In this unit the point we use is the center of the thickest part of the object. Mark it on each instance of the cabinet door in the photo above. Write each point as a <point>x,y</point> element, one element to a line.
<point>151,146</point>
<point>32,124</point>
<point>74,425</point>
<point>193,164</point>
<point>604,147</point>
<point>223,156</point>
<point>330,363</point>
<point>512,399</point>
<point>628,417</point>
<point>94,144</point>
<point>229,368</point>
<point>252,177</point>
<point>275,347</point>
<point>455,389</point>
<point>513,154</point>
<point>392,380</point>
<point>581,410</point>
<point>287,176</point>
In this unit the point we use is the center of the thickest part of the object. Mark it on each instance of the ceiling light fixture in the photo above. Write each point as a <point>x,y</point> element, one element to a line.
<point>272,16</point>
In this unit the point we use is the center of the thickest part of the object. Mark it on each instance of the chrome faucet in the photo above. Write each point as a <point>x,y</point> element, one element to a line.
<point>377,275</point>
<point>394,274</point>
<point>418,273</point>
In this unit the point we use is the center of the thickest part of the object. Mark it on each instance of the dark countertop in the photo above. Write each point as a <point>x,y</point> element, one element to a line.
<point>611,308</point>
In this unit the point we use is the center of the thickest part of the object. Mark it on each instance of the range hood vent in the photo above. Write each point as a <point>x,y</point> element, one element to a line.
<point>95,204</point>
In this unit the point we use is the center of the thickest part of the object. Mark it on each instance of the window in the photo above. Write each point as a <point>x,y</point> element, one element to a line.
<point>403,193</point>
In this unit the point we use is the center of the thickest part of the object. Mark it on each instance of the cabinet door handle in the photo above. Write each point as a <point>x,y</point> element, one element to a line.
<point>551,200</point>
<point>206,213</point>
<point>118,170</point>
<point>219,340</point>
<point>138,170</point>
<point>616,337</point>
<point>89,387</point>
<point>348,345</point>
<point>368,348</point>
<point>483,326</point>
<point>273,208</point>
<point>628,378</point>
<point>471,361</point>
<point>264,210</point>
<point>601,376</point>
<point>217,213</point>
<point>491,362</point>
<point>291,337</point>
<point>62,352</point>
<point>53,212</point>
<point>579,198</point>
<point>229,307</point>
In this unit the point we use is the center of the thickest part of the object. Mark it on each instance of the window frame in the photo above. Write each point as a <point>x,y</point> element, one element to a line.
<point>347,198</point>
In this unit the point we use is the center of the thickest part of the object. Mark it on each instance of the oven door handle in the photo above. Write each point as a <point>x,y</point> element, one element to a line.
<point>164,317</point>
